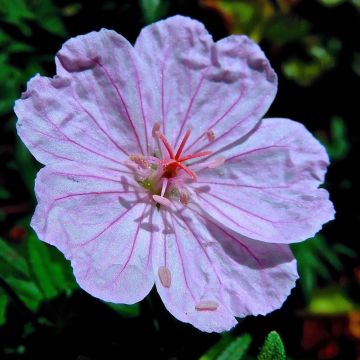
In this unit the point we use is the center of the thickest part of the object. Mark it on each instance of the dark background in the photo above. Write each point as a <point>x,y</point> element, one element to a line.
<point>315,49</point>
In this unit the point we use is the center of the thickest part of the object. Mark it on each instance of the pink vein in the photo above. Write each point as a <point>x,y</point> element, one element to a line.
<point>243,210</point>
<point>235,103</point>
<point>51,205</point>
<point>111,80</point>
<point>97,124</point>
<point>227,217</point>
<point>247,249</point>
<point>255,150</point>
<point>134,240</point>
<point>186,117</point>
<point>231,128</point>
<point>202,247</point>
<point>141,99</point>
<point>181,258</point>
<point>44,114</point>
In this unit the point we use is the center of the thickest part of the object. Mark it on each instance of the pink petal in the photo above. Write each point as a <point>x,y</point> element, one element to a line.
<point>92,111</point>
<point>100,221</point>
<point>267,189</point>
<point>217,274</point>
<point>219,89</point>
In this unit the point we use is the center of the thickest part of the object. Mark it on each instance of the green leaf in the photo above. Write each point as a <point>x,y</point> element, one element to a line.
<point>216,349</point>
<point>338,147</point>
<point>125,310</point>
<point>3,306</point>
<point>237,349</point>
<point>284,29</point>
<point>26,164</point>
<point>153,10</point>
<point>331,301</point>
<point>41,266</point>
<point>4,194</point>
<point>315,258</point>
<point>12,261</point>
<point>273,348</point>
<point>28,292</point>
<point>228,348</point>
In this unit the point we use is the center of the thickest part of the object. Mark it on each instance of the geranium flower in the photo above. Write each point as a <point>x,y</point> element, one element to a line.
<point>160,169</point>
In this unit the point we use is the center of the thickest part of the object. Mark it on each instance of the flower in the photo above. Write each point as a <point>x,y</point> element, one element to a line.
<point>160,169</point>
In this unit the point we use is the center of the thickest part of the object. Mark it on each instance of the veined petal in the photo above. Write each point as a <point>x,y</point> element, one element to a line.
<point>92,111</point>
<point>225,87</point>
<point>217,274</point>
<point>267,189</point>
<point>102,223</point>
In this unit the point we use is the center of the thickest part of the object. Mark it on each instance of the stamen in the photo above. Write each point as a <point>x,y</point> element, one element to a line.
<point>216,163</point>
<point>184,197</point>
<point>166,144</point>
<point>164,276</point>
<point>207,305</point>
<point>187,170</point>
<point>139,160</point>
<point>183,142</point>
<point>155,129</point>
<point>164,186</point>
<point>194,156</point>
<point>162,200</point>
<point>210,135</point>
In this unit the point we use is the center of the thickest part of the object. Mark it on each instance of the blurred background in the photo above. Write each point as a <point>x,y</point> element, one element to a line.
<point>315,49</point>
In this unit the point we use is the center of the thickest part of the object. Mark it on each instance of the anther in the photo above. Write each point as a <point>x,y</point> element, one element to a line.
<point>184,197</point>
<point>162,200</point>
<point>164,276</point>
<point>210,135</point>
<point>207,305</point>
<point>155,129</point>
<point>139,160</point>
<point>216,163</point>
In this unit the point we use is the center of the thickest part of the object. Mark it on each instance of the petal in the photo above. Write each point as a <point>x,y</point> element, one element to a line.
<point>217,274</point>
<point>91,112</point>
<point>100,221</point>
<point>267,189</point>
<point>225,87</point>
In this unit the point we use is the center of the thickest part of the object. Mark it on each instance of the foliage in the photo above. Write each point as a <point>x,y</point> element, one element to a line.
<point>273,348</point>
<point>303,51</point>
<point>315,257</point>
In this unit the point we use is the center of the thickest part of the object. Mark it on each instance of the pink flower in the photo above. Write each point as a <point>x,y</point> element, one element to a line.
<point>160,169</point>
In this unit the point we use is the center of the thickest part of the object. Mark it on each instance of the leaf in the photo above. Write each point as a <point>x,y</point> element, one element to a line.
<point>41,267</point>
<point>51,271</point>
<point>153,10</point>
<point>4,194</point>
<point>3,306</point>
<point>338,147</point>
<point>273,348</point>
<point>284,29</point>
<point>26,163</point>
<point>216,349</point>
<point>315,258</point>
<point>11,259</point>
<point>125,310</point>
<point>236,349</point>
<point>330,301</point>
<point>28,292</point>
<point>228,348</point>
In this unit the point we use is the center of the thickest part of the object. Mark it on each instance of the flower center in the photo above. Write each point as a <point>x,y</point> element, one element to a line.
<point>162,175</point>
<point>175,162</point>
